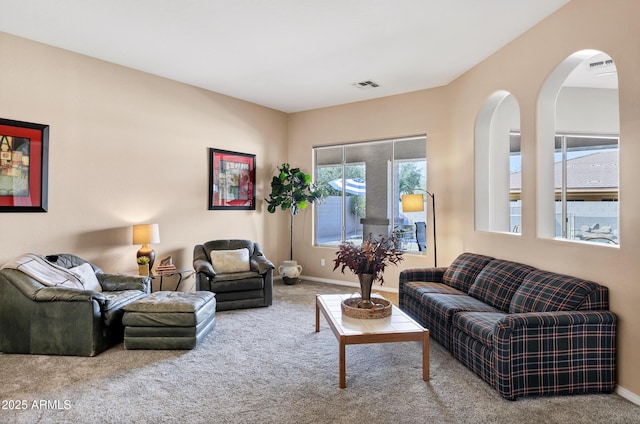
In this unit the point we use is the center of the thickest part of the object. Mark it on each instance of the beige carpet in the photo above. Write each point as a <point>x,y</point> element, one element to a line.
<point>268,365</point>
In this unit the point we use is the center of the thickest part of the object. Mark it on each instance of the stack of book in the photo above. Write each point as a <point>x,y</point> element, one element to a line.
<point>165,269</point>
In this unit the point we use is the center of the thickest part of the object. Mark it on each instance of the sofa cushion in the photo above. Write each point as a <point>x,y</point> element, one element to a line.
<point>417,288</point>
<point>446,305</point>
<point>498,281</point>
<point>544,291</point>
<point>230,261</point>
<point>464,269</point>
<point>478,325</point>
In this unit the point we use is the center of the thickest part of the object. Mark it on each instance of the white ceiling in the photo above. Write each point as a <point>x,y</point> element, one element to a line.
<point>290,55</point>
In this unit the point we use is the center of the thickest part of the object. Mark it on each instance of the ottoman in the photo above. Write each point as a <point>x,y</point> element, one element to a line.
<point>169,320</point>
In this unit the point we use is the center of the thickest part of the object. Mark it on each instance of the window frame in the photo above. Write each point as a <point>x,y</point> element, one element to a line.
<point>392,188</point>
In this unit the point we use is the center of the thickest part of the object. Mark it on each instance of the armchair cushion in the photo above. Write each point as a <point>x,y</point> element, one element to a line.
<point>87,275</point>
<point>230,261</point>
<point>113,308</point>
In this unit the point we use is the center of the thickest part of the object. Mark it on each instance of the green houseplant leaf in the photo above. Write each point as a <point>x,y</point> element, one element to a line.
<point>292,190</point>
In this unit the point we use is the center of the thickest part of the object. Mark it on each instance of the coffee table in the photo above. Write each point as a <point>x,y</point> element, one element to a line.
<point>398,327</point>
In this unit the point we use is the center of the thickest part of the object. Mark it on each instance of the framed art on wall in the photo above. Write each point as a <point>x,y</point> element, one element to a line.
<point>24,157</point>
<point>232,177</point>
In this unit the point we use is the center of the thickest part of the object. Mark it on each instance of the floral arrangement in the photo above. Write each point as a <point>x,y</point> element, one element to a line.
<point>372,257</point>
<point>143,260</point>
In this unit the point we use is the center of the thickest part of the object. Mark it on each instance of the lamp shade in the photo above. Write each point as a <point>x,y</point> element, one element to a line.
<point>412,203</point>
<point>146,234</point>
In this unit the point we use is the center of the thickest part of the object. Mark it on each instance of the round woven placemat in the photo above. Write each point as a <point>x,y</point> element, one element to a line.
<point>381,308</point>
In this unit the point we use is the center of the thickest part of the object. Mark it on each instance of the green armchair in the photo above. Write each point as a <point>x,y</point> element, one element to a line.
<point>39,319</point>
<point>236,271</point>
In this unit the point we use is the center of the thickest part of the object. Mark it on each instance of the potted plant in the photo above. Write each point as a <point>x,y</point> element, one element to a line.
<point>292,190</point>
<point>143,265</point>
<point>368,261</point>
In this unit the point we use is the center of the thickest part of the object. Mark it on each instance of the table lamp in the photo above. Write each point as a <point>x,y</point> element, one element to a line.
<point>146,234</point>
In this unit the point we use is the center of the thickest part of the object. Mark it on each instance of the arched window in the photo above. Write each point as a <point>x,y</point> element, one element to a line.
<point>497,160</point>
<point>577,149</point>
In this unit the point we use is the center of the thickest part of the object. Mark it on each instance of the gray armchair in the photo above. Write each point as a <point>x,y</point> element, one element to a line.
<point>38,319</point>
<point>236,286</point>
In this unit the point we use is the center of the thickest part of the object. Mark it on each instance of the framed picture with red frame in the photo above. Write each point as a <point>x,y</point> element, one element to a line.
<point>24,157</point>
<point>232,179</point>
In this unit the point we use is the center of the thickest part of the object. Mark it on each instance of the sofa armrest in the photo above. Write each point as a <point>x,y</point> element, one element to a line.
<point>261,264</point>
<point>433,274</point>
<point>61,294</point>
<point>120,282</point>
<point>555,352</point>
<point>422,274</point>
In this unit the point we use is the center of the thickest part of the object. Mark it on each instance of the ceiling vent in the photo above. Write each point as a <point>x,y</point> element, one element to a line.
<point>366,85</point>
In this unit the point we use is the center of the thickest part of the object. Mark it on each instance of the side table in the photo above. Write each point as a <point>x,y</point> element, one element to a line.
<point>177,272</point>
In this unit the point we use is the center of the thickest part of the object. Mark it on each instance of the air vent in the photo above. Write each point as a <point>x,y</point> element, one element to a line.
<point>602,66</point>
<point>366,85</point>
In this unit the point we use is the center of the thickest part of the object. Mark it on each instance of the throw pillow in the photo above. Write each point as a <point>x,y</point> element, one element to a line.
<point>545,291</point>
<point>228,261</point>
<point>464,269</point>
<point>498,281</point>
<point>88,277</point>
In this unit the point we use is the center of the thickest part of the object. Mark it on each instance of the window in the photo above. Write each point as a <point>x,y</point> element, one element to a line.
<point>498,165</point>
<point>366,182</point>
<point>578,148</point>
<point>586,187</point>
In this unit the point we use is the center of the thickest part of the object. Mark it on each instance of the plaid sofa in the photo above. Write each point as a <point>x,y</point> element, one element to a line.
<point>523,330</point>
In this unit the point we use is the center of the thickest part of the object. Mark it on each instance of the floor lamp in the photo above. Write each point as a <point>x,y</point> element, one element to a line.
<point>415,203</point>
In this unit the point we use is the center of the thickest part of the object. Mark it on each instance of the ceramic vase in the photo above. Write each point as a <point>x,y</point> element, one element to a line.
<point>290,271</point>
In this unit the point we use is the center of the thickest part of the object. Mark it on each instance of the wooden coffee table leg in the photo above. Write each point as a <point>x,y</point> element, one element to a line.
<point>317,316</point>
<point>425,356</point>
<point>343,366</point>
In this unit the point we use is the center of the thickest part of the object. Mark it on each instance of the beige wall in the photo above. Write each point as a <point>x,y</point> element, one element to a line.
<point>127,147</point>
<point>447,115</point>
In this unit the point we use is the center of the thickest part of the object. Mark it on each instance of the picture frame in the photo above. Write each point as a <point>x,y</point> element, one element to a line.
<point>232,177</point>
<point>24,166</point>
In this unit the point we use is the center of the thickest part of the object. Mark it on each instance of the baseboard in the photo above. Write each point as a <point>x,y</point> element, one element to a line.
<point>347,283</point>
<point>630,396</point>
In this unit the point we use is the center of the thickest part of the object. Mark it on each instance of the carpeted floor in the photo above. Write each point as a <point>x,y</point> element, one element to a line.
<point>268,365</point>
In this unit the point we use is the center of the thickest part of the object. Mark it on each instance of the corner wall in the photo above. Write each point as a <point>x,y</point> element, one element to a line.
<point>448,115</point>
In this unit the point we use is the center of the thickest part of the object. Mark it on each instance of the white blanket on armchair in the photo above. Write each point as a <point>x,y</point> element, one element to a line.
<point>45,272</point>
